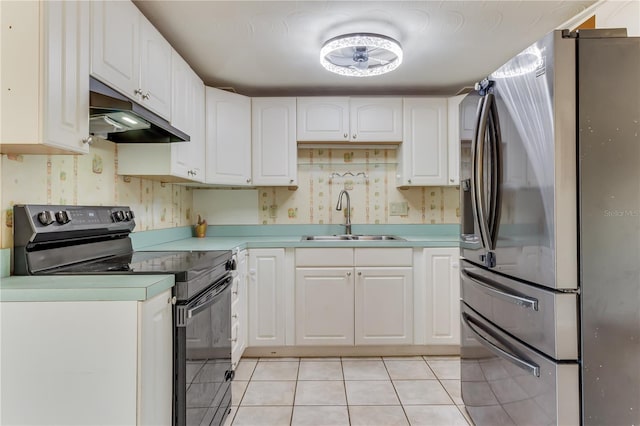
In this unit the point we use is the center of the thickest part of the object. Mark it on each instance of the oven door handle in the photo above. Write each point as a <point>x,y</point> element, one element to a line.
<point>186,312</point>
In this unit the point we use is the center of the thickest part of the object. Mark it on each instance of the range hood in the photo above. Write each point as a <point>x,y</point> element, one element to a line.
<point>115,117</point>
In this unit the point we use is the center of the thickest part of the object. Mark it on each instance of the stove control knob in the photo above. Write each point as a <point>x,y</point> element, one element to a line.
<point>118,216</point>
<point>63,217</point>
<point>45,217</point>
<point>131,215</point>
<point>128,215</point>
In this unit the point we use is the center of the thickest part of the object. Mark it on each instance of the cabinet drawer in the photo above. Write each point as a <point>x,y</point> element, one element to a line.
<point>383,257</point>
<point>324,257</point>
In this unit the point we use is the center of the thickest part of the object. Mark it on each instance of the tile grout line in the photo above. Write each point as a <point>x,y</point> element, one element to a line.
<point>393,385</point>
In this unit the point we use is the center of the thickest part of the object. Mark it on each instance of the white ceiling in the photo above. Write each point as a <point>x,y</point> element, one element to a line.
<point>272,47</point>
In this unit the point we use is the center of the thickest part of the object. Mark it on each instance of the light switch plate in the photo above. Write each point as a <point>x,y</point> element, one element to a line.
<point>399,209</point>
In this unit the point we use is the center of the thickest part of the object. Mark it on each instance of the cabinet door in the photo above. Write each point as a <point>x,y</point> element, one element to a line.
<point>375,119</point>
<point>383,306</point>
<point>453,136</point>
<point>155,360</point>
<point>115,45</point>
<point>322,119</point>
<point>66,71</point>
<point>424,150</point>
<point>324,306</point>
<point>155,70</point>
<point>468,111</point>
<point>228,118</point>
<point>273,141</point>
<point>188,114</point>
<point>266,303</point>
<point>443,295</point>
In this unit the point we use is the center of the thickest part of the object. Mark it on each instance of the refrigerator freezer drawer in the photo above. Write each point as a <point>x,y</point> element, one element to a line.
<point>546,320</point>
<point>504,382</point>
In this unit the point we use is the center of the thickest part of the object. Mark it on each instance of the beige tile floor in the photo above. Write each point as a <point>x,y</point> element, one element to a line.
<point>367,391</point>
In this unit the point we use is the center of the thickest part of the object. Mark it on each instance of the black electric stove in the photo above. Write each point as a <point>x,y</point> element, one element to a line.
<point>94,240</point>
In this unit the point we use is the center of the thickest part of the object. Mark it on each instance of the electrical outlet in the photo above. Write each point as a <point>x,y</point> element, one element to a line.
<point>273,212</point>
<point>399,209</point>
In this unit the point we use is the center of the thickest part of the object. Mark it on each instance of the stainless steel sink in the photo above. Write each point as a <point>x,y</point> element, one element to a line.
<point>351,237</point>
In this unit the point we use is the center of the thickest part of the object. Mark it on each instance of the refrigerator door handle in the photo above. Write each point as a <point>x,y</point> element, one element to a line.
<point>495,139</point>
<point>529,367</point>
<point>477,163</point>
<point>525,302</point>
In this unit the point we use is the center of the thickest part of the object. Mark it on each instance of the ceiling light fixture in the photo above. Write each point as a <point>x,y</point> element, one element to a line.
<point>361,54</point>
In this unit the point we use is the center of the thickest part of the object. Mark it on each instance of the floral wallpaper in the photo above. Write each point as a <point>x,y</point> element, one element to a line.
<point>88,179</point>
<point>369,175</point>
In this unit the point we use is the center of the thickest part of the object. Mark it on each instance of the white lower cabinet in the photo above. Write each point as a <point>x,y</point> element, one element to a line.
<point>103,362</point>
<point>442,288</point>
<point>384,305</point>
<point>324,306</point>
<point>341,299</point>
<point>266,297</point>
<point>239,309</point>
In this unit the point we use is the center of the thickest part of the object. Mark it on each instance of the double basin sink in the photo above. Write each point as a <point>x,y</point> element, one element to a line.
<point>351,237</point>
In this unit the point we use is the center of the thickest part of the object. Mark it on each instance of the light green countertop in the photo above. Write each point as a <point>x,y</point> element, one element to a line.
<point>72,288</point>
<point>142,287</point>
<point>273,241</point>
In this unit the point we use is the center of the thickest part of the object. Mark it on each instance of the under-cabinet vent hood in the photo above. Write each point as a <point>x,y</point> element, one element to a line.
<point>115,117</point>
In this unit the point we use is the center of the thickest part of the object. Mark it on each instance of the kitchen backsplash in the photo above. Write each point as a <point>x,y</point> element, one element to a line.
<point>369,175</point>
<point>89,179</point>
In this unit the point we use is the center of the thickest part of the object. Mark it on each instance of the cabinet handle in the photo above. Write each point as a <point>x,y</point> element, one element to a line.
<point>146,96</point>
<point>137,92</point>
<point>235,292</point>
<point>234,316</point>
<point>88,140</point>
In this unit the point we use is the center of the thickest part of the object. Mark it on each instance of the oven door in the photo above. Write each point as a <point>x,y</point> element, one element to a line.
<point>202,388</point>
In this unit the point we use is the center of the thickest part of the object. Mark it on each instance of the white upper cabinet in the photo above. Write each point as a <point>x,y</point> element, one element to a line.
<point>467,107</point>
<point>323,119</point>
<point>155,69</point>
<point>177,161</point>
<point>228,118</point>
<point>130,55</point>
<point>273,141</point>
<point>343,119</point>
<point>45,77</point>
<point>423,155</point>
<point>188,115</point>
<point>376,119</point>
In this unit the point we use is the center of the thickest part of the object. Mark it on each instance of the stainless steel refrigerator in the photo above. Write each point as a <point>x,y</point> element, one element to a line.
<point>550,236</point>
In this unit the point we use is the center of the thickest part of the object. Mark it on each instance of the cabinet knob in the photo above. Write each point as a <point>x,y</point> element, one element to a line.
<point>452,180</point>
<point>455,265</point>
<point>137,92</point>
<point>146,96</point>
<point>234,316</point>
<point>172,300</point>
<point>249,180</point>
<point>408,180</point>
<point>290,180</point>
<point>346,135</point>
<point>88,140</point>
<point>348,274</point>
<point>359,273</point>
<point>354,136</point>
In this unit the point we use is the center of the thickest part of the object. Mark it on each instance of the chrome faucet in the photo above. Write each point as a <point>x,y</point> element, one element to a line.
<point>339,208</point>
